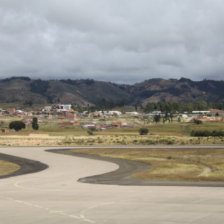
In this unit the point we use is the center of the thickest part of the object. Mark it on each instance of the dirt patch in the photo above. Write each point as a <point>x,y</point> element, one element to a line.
<point>26,165</point>
<point>38,135</point>
<point>206,171</point>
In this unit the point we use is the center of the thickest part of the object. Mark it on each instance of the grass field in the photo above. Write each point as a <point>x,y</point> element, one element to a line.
<point>177,133</point>
<point>7,167</point>
<point>171,164</point>
<point>55,127</point>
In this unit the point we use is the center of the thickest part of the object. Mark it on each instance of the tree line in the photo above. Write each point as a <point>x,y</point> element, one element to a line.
<point>18,125</point>
<point>172,107</point>
<point>102,104</point>
<point>165,107</point>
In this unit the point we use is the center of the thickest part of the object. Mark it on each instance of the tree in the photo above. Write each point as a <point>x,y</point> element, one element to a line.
<point>157,118</point>
<point>217,114</point>
<point>165,118</point>
<point>17,125</point>
<point>143,131</point>
<point>78,108</point>
<point>35,125</point>
<point>90,132</point>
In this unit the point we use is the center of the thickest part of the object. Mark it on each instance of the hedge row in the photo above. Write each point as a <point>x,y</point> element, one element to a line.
<point>207,133</point>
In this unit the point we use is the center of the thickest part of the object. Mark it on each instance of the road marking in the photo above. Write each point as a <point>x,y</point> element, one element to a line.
<point>51,211</point>
<point>83,212</point>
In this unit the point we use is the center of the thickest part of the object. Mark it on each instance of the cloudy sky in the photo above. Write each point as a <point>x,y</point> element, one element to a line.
<point>122,41</point>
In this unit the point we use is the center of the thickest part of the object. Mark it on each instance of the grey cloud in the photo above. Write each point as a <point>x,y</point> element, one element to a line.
<point>114,40</point>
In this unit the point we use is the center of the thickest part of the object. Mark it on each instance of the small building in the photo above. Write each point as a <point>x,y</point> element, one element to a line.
<point>71,115</point>
<point>114,112</point>
<point>90,126</point>
<point>215,112</point>
<point>156,112</point>
<point>206,118</point>
<point>11,111</point>
<point>66,123</point>
<point>133,113</point>
<point>63,107</point>
<point>116,124</point>
<point>200,112</point>
<point>19,111</point>
<point>47,109</point>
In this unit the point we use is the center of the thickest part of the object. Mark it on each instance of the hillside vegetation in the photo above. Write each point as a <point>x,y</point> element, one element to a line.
<point>83,92</point>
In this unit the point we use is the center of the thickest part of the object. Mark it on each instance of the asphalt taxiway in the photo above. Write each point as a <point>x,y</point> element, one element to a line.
<point>55,196</point>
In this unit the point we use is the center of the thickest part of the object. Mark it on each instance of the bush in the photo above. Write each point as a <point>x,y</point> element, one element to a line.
<point>17,125</point>
<point>90,132</point>
<point>206,133</point>
<point>197,121</point>
<point>143,131</point>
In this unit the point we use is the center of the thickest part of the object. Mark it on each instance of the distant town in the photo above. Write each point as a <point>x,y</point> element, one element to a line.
<point>102,120</point>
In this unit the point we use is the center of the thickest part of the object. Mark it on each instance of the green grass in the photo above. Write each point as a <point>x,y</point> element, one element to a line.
<point>168,133</point>
<point>168,129</point>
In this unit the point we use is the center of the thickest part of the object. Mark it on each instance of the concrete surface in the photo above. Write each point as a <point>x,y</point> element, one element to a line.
<point>54,196</point>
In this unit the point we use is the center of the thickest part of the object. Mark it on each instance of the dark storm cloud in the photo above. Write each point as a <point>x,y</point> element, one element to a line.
<point>115,40</point>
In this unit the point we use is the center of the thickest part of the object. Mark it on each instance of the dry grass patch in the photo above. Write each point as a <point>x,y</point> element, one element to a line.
<point>171,164</point>
<point>7,168</point>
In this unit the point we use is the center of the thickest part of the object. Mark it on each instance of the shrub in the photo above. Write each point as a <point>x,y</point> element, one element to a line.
<point>197,121</point>
<point>156,118</point>
<point>206,133</point>
<point>90,132</point>
<point>143,131</point>
<point>35,125</point>
<point>17,125</point>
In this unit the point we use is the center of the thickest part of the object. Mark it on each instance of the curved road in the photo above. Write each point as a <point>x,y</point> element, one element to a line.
<point>123,175</point>
<point>53,196</point>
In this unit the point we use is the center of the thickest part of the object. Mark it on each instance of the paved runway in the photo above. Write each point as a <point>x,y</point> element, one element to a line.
<point>54,196</point>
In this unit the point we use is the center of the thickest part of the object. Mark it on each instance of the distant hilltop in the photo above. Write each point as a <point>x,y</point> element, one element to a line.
<point>88,91</point>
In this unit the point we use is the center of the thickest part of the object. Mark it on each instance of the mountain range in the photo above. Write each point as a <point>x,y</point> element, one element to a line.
<point>88,91</point>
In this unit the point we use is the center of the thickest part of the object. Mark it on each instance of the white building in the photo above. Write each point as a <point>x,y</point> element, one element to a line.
<point>156,112</point>
<point>114,112</point>
<point>47,109</point>
<point>133,113</point>
<point>201,112</point>
<point>91,125</point>
<point>64,107</point>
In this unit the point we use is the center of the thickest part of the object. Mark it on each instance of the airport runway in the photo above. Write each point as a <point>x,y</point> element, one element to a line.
<point>53,196</point>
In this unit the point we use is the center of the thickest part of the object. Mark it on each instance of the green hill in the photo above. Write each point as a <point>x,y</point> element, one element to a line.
<point>88,91</point>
